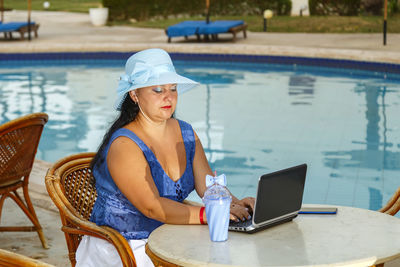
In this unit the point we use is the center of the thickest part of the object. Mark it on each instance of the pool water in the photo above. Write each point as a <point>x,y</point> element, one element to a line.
<point>251,119</point>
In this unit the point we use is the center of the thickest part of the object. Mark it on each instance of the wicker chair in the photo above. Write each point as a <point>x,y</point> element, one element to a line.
<point>391,208</point>
<point>393,205</point>
<point>11,259</point>
<point>70,185</point>
<point>19,140</point>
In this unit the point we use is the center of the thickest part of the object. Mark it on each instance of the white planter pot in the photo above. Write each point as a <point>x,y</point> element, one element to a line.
<point>98,16</point>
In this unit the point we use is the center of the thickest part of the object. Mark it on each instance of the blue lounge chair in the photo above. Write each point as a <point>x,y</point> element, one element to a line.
<point>185,28</point>
<point>223,26</point>
<point>21,27</point>
<point>213,28</point>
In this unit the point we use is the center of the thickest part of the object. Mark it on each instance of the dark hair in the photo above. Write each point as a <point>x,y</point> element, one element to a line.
<point>129,111</point>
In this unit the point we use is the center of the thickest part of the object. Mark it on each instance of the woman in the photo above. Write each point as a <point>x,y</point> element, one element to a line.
<point>148,163</point>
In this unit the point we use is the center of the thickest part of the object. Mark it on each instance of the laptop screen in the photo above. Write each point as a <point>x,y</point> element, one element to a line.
<point>280,193</point>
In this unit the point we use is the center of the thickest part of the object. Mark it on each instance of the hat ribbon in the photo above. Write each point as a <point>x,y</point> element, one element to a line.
<point>141,75</point>
<point>211,180</point>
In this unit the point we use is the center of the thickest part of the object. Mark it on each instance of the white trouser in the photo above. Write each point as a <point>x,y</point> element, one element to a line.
<point>96,252</point>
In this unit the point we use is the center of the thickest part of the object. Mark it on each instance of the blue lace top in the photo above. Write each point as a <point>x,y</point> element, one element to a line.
<point>113,209</point>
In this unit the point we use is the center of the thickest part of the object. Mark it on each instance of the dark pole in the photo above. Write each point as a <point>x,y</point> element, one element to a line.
<point>2,10</point>
<point>265,24</point>
<point>208,11</point>
<point>384,23</point>
<point>29,20</point>
<point>267,15</point>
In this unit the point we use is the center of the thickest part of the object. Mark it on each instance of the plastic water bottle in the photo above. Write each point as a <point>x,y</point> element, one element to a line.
<point>217,201</point>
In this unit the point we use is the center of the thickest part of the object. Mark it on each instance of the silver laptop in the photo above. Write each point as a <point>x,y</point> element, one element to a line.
<point>279,199</point>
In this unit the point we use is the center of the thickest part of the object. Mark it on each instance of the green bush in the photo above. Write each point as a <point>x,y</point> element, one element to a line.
<point>375,7</point>
<point>334,7</point>
<point>393,6</point>
<point>280,7</point>
<point>145,9</point>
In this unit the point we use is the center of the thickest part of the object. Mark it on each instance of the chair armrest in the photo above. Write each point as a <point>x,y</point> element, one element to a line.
<point>11,259</point>
<point>393,205</point>
<point>83,227</point>
<point>122,242</point>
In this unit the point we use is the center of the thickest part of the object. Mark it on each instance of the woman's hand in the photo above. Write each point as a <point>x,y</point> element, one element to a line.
<point>248,202</point>
<point>242,209</point>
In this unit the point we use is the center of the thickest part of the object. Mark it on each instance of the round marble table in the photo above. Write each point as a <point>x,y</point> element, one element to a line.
<point>352,237</point>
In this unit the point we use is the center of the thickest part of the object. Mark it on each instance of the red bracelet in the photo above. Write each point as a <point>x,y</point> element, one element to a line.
<point>201,215</point>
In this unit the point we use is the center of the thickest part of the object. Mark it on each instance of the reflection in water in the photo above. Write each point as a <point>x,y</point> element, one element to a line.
<point>302,87</point>
<point>47,91</point>
<point>375,200</point>
<point>236,165</point>
<point>251,119</point>
<point>212,142</point>
<point>373,152</point>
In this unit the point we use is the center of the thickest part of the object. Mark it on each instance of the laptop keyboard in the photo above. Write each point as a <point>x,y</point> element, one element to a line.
<point>240,223</point>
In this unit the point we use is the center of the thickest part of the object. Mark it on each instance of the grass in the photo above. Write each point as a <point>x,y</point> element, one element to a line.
<point>316,24</point>
<point>328,24</point>
<point>55,5</point>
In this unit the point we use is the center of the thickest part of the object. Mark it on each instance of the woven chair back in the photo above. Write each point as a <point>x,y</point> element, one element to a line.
<point>78,185</point>
<point>71,186</point>
<point>19,140</point>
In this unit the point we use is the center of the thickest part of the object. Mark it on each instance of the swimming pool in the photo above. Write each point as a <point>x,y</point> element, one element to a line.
<point>252,118</point>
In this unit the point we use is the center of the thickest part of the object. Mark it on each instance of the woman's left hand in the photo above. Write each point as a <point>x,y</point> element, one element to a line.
<point>239,212</point>
<point>248,202</point>
<point>242,209</point>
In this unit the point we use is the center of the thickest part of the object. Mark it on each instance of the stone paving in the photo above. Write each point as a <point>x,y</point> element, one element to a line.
<point>28,243</point>
<point>63,31</point>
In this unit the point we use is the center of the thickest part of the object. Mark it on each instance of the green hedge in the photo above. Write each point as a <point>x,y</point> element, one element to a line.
<point>334,7</point>
<point>350,7</point>
<point>375,7</point>
<point>145,9</point>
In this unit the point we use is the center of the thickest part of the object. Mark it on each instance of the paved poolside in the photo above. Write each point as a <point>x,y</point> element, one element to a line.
<point>62,31</point>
